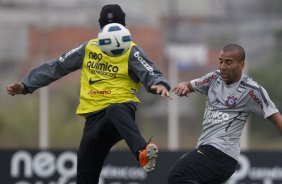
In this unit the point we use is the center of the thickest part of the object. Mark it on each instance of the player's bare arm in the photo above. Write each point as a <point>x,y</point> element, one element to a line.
<point>276,118</point>
<point>15,88</point>
<point>161,90</point>
<point>183,89</point>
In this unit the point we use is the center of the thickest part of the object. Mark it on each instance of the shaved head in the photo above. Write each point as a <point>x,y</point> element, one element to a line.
<point>232,47</point>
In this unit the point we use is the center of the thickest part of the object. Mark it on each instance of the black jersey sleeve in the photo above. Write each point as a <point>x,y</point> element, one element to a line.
<point>141,68</point>
<point>53,70</point>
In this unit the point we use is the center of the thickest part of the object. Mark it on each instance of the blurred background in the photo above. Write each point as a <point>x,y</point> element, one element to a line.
<point>182,37</point>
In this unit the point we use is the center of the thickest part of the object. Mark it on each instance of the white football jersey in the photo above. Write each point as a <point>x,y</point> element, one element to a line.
<point>227,109</point>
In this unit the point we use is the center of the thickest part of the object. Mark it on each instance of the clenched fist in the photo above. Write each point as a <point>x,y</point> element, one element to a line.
<point>15,88</point>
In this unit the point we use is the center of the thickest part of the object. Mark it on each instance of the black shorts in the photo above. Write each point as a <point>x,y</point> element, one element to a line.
<point>204,165</point>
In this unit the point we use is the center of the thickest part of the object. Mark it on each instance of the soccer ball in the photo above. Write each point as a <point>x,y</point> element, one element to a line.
<point>114,39</point>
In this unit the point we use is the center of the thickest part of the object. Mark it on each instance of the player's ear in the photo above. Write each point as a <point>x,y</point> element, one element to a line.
<point>242,63</point>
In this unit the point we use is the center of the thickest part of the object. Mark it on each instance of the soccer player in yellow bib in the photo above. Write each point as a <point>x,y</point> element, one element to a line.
<point>107,97</point>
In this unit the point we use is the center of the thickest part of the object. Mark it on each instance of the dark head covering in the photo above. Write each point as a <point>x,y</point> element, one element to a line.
<point>111,13</point>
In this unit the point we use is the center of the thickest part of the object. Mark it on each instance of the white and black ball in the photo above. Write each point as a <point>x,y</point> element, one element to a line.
<point>114,39</point>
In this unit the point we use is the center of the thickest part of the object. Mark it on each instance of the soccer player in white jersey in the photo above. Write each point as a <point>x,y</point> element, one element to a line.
<point>231,97</point>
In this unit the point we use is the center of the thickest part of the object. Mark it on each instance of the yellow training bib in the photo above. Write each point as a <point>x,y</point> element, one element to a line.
<point>104,80</point>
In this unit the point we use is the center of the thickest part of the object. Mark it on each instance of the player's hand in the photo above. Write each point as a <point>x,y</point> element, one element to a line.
<point>161,90</point>
<point>181,89</point>
<point>15,88</point>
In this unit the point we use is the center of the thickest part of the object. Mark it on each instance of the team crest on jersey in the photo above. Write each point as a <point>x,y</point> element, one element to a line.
<point>231,102</point>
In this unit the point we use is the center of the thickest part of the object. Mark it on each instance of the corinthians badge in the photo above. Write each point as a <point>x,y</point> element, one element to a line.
<point>231,102</point>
